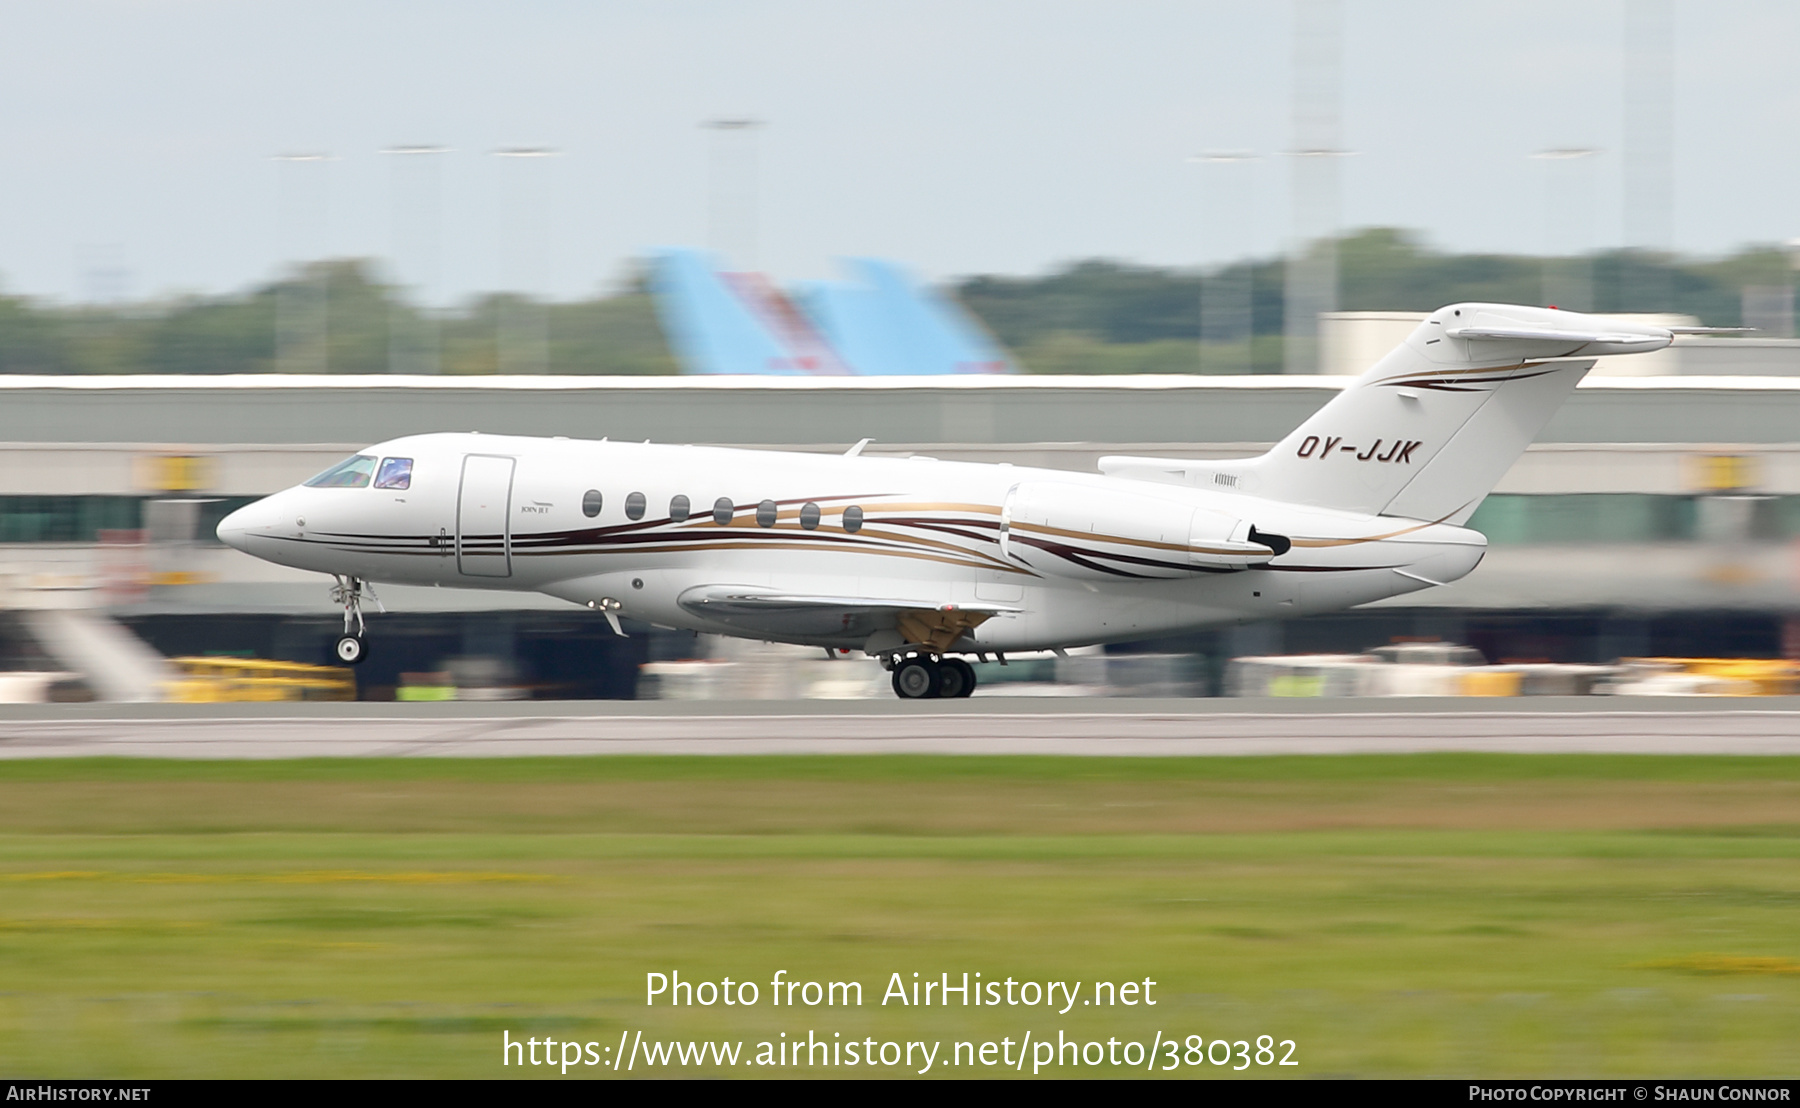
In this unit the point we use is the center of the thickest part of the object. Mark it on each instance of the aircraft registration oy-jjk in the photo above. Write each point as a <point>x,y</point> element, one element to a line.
<point>923,563</point>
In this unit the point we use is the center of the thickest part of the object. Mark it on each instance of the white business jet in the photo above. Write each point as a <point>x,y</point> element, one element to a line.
<point>924,563</point>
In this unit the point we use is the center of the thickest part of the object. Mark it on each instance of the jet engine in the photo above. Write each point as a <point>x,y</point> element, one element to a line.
<point>1079,531</point>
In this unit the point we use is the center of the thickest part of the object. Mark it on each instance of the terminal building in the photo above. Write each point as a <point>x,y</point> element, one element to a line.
<point>1655,515</point>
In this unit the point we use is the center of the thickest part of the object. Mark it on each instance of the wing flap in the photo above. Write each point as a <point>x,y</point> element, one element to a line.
<point>749,598</point>
<point>841,620</point>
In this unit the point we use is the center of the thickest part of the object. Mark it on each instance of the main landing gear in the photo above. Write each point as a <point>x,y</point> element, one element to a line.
<point>923,677</point>
<point>348,591</point>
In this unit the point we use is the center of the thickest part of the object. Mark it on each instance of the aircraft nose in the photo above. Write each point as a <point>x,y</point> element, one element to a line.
<point>231,530</point>
<point>234,529</point>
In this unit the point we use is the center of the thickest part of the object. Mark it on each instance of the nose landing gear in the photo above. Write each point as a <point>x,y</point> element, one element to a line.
<point>923,677</point>
<point>348,591</point>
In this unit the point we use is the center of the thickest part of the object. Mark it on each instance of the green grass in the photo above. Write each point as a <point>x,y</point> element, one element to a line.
<point>1394,915</point>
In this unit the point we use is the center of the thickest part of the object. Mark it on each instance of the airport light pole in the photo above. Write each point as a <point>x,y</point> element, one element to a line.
<point>732,167</point>
<point>1649,153</point>
<point>1226,316</point>
<point>1784,321</point>
<point>1310,285</point>
<point>416,197</point>
<point>1312,276</point>
<point>1568,278</point>
<point>523,326</point>
<point>302,325</point>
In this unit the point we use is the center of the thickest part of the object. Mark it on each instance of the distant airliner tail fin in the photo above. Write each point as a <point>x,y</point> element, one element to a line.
<point>734,322</point>
<point>886,324</point>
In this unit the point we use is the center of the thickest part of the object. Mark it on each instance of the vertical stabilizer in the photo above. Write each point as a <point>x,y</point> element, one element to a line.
<point>734,322</point>
<point>886,324</point>
<point>1432,427</point>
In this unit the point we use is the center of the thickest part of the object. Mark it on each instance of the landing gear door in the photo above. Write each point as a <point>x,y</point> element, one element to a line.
<point>484,517</point>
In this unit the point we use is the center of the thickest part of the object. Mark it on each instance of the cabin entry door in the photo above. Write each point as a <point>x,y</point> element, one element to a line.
<point>484,517</point>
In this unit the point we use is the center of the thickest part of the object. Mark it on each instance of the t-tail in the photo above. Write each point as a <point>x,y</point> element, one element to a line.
<point>1432,427</point>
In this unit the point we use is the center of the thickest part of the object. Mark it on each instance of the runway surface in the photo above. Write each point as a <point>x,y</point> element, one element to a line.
<point>1071,727</point>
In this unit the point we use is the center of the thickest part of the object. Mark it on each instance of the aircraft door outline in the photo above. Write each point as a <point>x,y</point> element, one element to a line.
<point>484,508</point>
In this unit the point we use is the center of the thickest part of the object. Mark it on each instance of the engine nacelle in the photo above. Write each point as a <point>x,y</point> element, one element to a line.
<point>1107,534</point>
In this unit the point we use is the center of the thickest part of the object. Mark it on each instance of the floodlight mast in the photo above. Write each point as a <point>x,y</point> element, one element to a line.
<point>1568,270</point>
<point>302,327</point>
<point>523,326</point>
<point>1225,303</point>
<point>731,231</point>
<point>413,242</point>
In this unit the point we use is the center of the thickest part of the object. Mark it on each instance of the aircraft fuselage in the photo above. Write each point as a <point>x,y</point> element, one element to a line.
<point>680,536</point>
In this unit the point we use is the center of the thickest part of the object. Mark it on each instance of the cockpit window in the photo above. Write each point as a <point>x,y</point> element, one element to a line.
<point>395,473</point>
<point>351,473</point>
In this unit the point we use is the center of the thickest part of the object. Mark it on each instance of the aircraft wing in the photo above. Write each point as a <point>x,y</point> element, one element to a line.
<point>785,614</point>
<point>753,599</point>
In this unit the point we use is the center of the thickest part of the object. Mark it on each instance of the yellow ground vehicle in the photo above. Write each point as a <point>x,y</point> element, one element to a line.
<point>219,679</point>
<point>1714,676</point>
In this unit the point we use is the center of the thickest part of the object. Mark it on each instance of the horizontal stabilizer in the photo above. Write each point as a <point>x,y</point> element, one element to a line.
<point>1585,342</point>
<point>1546,335</point>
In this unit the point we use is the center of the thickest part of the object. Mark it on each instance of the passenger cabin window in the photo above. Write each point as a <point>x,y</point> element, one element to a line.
<point>634,506</point>
<point>678,508</point>
<point>351,473</point>
<point>722,510</point>
<point>395,473</point>
<point>590,503</point>
<point>765,514</point>
<point>809,515</point>
<point>853,519</point>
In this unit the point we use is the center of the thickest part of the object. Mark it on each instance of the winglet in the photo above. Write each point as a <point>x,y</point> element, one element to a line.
<point>856,450</point>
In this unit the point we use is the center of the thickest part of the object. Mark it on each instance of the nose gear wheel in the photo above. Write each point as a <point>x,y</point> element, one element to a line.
<point>351,647</point>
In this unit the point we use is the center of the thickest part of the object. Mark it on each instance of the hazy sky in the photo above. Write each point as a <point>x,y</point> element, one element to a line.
<point>959,136</point>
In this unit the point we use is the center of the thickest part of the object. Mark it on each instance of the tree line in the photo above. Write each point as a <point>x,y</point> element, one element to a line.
<point>1094,316</point>
<point>360,318</point>
<point>1105,316</point>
